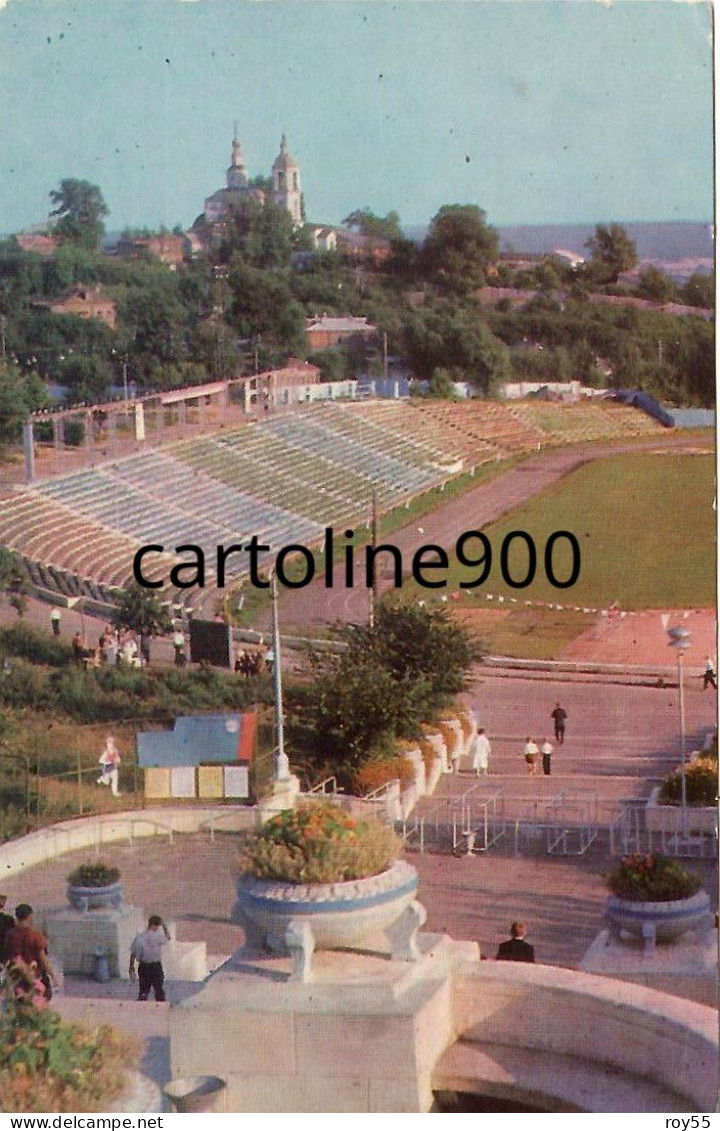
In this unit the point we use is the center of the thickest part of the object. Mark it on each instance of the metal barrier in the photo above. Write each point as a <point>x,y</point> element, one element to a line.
<point>628,836</point>
<point>479,821</point>
<point>572,820</point>
<point>432,829</point>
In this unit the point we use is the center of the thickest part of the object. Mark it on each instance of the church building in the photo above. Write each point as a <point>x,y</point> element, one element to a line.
<point>286,190</point>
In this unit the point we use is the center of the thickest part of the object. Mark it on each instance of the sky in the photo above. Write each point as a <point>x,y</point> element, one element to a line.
<point>539,111</point>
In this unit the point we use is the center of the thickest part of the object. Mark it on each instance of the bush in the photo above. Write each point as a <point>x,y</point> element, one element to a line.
<point>51,1065</point>
<point>38,648</point>
<point>97,875</point>
<point>652,879</point>
<point>701,783</point>
<point>318,843</point>
<point>374,774</point>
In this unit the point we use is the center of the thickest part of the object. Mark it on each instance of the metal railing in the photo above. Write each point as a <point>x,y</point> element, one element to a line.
<point>327,785</point>
<point>234,816</point>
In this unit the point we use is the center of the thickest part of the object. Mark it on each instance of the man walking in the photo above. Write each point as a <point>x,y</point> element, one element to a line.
<point>546,751</point>
<point>55,621</point>
<point>559,715</point>
<point>146,950</point>
<point>709,679</point>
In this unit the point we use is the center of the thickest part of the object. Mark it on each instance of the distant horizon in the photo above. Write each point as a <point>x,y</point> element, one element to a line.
<point>392,106</point>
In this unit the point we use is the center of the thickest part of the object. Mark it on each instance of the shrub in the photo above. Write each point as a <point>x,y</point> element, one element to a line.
<point>701,783</point>
<point>47,1064</point>
<point>652,879</point>
<point>429,753</point>
<point>318,842</point>
<point>97,875</point>
<point>39,648</point>
<point>374,774</point>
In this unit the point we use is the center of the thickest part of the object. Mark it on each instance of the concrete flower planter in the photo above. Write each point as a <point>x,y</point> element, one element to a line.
<point>662,922</point>
<point>301,918</point>
<point>700,819</point>
<point>93,899</point>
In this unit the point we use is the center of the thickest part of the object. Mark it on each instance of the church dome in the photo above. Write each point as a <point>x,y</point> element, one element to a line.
<point>284,159</point>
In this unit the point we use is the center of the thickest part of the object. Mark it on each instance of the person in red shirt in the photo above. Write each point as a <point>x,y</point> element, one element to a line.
<point>26,943</point>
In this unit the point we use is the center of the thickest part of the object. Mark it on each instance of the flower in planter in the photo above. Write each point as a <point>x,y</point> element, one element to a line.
<point>97,875</point>
<point>318,842</point>
<point>652,879</point>
<point>701,783</point>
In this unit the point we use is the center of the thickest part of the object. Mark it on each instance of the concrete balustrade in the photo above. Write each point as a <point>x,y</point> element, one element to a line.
<point>108,828</point>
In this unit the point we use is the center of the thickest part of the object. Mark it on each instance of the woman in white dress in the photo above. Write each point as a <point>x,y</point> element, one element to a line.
<point>480,752</point>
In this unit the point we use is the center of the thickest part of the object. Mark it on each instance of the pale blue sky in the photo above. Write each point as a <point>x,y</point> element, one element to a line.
<point>540,111</point>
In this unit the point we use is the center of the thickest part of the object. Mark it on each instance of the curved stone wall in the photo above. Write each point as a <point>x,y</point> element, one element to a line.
<point>562,1039</point>
<point>108,828</point>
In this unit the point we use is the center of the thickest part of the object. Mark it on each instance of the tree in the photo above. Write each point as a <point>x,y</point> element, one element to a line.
<point>612,251</point>
<point>459,247</point>
<point>13,579</point>
<point>389,680</point>
<point>140,611</point>
<point>259,234</point>
<point>451,336</point>
<point>263,307</point>
<point>699,290</point>
<point>79,209</point>
<point>377,227</point>
<point>19,396</point>
<point>655,285</point>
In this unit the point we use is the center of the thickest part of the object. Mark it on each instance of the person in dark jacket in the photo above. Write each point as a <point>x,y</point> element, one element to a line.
<point>6,923</point>
<point>515,949</point>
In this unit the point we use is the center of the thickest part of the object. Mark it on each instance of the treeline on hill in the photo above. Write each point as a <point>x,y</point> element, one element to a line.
<point>243,305</point>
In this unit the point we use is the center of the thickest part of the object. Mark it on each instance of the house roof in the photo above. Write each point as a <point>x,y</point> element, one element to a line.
<point>347,323</point>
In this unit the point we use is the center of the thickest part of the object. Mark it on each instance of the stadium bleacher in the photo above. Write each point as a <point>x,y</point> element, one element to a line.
<point>284,479</point>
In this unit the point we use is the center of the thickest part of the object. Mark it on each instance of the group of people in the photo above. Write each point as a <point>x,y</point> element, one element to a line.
<point>24,954</point>
<point>114,648</point>
<point>25,961</point>
<point>249,663</point>
<point>480,749</point>
<point>532,752</point>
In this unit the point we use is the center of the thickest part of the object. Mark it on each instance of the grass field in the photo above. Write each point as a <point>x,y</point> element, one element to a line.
<point>645,526</point>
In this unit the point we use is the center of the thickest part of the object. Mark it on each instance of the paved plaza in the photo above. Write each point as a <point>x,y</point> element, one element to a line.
<point>620,740</point>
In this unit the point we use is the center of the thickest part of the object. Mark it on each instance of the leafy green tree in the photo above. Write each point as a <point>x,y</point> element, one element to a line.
<point>451,336</point>
<point>655,285</point>
<point>140,610</point>
<point>699,290</point>
<point>263,308</point>
<point>459,247</point>
<point>79,211</point>
<point>611,252</point>
<point>378,227</point>
<point>441,384</point>
<point>390,679</point>
<point>13,580</point>
<point>259,234</point>
<point>19,396</point>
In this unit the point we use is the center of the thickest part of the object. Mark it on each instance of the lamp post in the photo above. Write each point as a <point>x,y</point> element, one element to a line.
<point>680,640</point>
<point>282,764</point>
